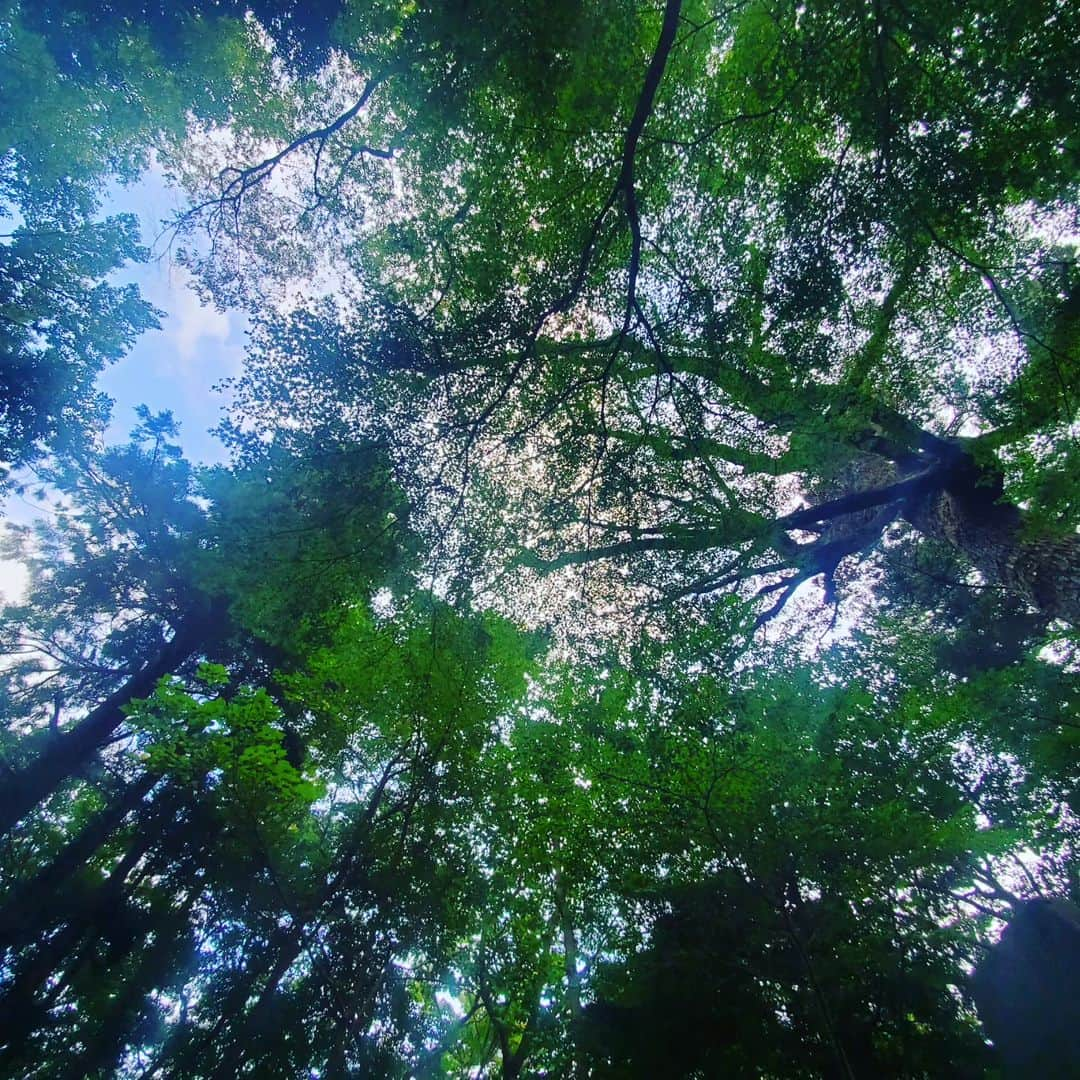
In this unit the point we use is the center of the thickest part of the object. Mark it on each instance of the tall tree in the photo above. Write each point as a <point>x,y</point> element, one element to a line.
<point>788,870</point>
<point>288,865</point>
<point>758,287</point>
<point>150,568</point>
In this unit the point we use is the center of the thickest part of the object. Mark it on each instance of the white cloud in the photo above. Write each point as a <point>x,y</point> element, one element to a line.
<point>191,328</point>
<point>191,323</point>
<point>197,347</point>
<point>14,578</point>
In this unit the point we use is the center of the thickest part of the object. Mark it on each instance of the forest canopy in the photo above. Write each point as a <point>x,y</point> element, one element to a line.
<point>631,631</point>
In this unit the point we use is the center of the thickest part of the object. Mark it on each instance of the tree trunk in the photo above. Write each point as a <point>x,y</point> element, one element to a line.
<point>156,965</point>
<point>32,903</point>
<point>966,514</point>
<point>188,1046</point>
<point>66,754</point>
<point>1027,991</point>
<point>573,976</point>
<point>23,1013</point>
<point>245,1027</point>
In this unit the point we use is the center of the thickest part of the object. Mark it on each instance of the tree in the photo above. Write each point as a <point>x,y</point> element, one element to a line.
<point>788,870</point>
<point>1018,989</point>
<point>61,324</point>
<point>277,922</point>
<point>707,278</point>
<point>152,568</point>
<point>410,849</point>
<point>783,829</point>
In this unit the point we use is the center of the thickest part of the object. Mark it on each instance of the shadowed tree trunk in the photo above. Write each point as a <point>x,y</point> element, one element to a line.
<point>966,513</point>
<point>246,1027</point>
<point>156,964</point>
<point>1027,991</point>
<point>73,749</point>
<point>32,903</point>
<point>23,1011</point>
<point>950,498</point>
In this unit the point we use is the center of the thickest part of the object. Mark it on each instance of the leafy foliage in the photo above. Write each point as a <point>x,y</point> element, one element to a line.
<point>436,734</point>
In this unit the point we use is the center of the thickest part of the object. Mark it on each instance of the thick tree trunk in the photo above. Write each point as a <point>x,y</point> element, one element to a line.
<point>68,752</point>
<point>1044,570</point>
<point>1027,990</point>
<point>34,902</point>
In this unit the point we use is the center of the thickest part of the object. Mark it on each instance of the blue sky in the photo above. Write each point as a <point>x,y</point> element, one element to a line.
<point>175,367</point>
<point>197,346</point>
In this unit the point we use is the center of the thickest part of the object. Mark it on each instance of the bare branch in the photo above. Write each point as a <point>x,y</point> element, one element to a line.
<point>237,182</point>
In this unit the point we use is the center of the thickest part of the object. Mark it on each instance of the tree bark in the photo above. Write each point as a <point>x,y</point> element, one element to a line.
<point>1026,991</point>
<point>573,976</point>
<point>965,513</point>
<point>68,752</point>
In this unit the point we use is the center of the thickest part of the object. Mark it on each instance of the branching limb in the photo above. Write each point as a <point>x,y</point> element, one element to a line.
<point>236,182</point>
<point>624,185</point>
<point>788,586</point>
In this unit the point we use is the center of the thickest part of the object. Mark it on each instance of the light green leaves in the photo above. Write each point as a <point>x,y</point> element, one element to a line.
<point>230,747</point>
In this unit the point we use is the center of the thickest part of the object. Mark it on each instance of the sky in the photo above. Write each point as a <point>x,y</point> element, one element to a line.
<point>178,366</point>
<point>175,367</point>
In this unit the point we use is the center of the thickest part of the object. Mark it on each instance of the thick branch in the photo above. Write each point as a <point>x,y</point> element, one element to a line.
<point>860,500</point>
<point>685,448</point>
<point>624,185</point>
<point>685,540</point>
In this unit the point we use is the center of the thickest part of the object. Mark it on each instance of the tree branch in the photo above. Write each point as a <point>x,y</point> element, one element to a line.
<point>860,500</point>
<point>624,185</point>
<point>237,182</point>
